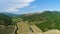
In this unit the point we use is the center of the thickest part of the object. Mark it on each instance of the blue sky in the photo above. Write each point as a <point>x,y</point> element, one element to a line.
<point>29,6</point>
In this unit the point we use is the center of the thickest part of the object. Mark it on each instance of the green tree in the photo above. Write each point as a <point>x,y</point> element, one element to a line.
<point>5,20</point>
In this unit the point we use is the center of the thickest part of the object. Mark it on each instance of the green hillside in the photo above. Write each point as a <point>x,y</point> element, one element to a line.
<point>5,20</point>
<point>45,21</point>
<point>6,25</point>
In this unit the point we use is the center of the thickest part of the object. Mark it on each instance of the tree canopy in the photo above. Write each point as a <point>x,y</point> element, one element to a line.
<point>5,20</point>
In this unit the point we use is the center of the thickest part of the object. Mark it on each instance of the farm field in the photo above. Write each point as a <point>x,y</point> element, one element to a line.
<point>7,29</point>
<point>31,24</point>
<point>35,29</point>
<point>23,28</point>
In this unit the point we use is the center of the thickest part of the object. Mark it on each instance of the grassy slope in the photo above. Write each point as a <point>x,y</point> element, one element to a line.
<point>53,22</point>
<point>47,20</point>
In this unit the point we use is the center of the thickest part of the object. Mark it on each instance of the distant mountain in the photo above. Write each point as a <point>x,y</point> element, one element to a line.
<point>5,20</point>
<point>10,14</point>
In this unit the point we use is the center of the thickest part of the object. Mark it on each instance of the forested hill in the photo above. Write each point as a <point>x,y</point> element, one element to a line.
<point>5,20</point>
<point>47,15</point>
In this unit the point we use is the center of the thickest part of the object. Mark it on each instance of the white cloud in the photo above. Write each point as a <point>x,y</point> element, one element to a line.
<point>13,5</point>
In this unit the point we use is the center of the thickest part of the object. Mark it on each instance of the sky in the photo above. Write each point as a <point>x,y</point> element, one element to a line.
<point>29,6</point>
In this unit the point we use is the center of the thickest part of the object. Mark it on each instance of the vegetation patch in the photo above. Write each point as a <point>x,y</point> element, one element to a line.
<point>46,21</point>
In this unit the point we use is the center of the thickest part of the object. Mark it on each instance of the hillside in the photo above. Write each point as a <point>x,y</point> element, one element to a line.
<point>46,21</point>
<point>5,20</point>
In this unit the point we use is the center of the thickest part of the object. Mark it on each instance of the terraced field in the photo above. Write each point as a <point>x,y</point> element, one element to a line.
<point>35,29</point>
<point>23,28</point>
<point>7,29</point>
<point>52,32</point>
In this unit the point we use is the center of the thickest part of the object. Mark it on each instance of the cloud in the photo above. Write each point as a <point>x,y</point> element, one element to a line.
<point>13,5</point>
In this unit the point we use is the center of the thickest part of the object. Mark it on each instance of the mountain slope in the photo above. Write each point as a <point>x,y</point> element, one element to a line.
<point>47,20</point>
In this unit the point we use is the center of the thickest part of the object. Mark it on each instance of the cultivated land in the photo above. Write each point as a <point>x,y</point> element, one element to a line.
<point>23,28</point>
<point>35,29</point>
<point>7,29</point>
<point>53,31</point>
<point>36,23</point>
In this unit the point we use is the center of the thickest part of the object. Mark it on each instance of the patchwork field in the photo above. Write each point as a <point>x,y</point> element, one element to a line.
<point>35,29</point>
<point>23,28</point>
<point>7,29</point>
